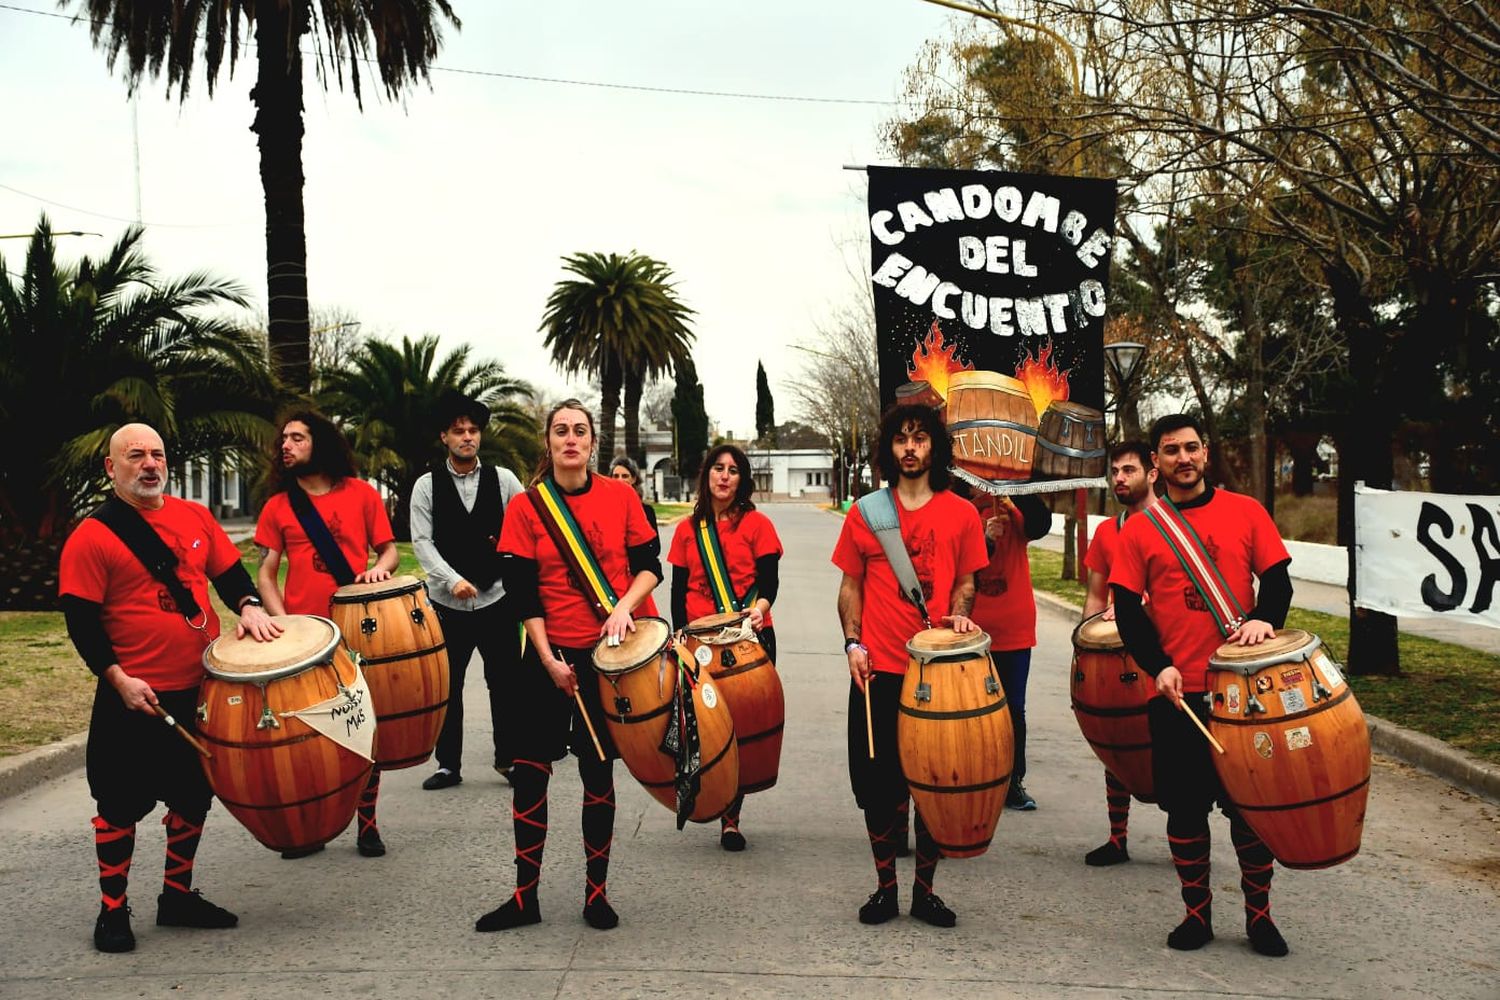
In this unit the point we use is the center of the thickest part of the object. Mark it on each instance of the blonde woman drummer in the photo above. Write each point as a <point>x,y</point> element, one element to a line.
<point>578,559</point>
<point>725,527</point>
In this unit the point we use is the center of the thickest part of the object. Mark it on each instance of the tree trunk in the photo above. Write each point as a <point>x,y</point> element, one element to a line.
<point>634,384</point>
<point>278,124</point>
<point>1304,448</point>
<point>609,404</point>
<point>1364,455</point>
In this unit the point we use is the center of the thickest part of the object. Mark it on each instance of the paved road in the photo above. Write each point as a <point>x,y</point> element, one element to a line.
<point>1417,914</point>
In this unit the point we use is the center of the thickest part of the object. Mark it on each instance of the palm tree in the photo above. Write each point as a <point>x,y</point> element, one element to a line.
<point>399,37</point>
<point>85,348</point>
<point>620,320</point>
<point>387,396</point>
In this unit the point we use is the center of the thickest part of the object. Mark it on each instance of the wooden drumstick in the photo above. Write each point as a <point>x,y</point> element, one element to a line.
<point>583,711</point>
<point>162,713</point>
<point>869,726</point>
<point>1201,727</point>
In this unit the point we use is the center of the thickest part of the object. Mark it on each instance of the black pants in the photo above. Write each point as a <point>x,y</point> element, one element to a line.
<point>135,760</point>
<point>879,784</point>
<point>493,630</point>
<point>1182,763</point>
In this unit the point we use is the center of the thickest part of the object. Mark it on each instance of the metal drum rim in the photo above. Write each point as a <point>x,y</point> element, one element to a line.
<point>617,671</point>
<point>276,673</point>
<point>980,646</point>
<point>1249,668</point>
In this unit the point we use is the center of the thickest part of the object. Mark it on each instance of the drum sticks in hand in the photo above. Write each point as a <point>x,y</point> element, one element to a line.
<point>1201,727</point>
<point>162,713</point>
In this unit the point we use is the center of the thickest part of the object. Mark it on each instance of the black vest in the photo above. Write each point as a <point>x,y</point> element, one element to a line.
<point>466,539</point>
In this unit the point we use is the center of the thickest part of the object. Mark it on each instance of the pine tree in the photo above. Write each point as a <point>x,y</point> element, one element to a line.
<point>765,407</point>
<point>691,421</point>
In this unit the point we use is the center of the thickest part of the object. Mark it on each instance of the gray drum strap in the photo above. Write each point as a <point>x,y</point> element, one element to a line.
<point>879,511</point>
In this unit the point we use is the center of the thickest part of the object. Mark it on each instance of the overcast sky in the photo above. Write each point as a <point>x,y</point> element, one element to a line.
<point>448,214</point>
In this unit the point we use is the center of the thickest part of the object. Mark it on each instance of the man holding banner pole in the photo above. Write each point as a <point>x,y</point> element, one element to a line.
<point>1193,555</point>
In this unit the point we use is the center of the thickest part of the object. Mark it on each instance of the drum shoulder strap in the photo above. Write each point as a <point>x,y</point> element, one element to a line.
<point>716,566</point>
<point>879,511</point>
<point>147,546</point>
<point>318,534</point>
<point>1199,566</point>
<point>557,519</point>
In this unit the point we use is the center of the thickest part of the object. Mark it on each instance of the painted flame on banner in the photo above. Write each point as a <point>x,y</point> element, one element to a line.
<point>1042,379</point>
<point>932,363</point>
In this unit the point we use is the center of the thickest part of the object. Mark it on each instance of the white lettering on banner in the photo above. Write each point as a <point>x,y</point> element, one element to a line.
<point>348,718</point>
<point>1428,554</point>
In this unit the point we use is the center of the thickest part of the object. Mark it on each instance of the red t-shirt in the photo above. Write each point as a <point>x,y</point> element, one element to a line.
<point>357,520</point>
<point>1101,552</point>
<point>152,640</point>
<point>1241,539</point>
<point>945,540</point>
<point>743,542</point>
<point>1004,605</point>
<point>610,516</point>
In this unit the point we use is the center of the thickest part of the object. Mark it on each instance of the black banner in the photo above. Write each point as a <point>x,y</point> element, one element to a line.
<point>990,294</point>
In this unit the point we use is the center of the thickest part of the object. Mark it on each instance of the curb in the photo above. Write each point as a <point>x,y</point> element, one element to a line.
<point>26,771</point>
<point>1458,768</point>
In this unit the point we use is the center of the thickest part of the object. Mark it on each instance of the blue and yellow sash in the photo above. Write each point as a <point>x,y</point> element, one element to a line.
<point>552,508</point>
<point>717,567</point>
<point>1197,563</point>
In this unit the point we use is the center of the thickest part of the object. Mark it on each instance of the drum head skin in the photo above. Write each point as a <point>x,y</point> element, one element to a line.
<point>715,623</point>
<point>635,649</point>
<point>1094,633</point>
<point>359,593</point>
<point>1288,646</point>
<point>305,640</point>
<point>932,643</point>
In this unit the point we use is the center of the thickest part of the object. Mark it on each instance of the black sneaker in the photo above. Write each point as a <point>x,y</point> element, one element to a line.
<point>112,931</point>
<point>444,778</point>
<point>882,905</point>
<point>1265,938</point>
<point>1108,853</point>
<point>190,909</point>
<point>731,839</point>
<point>1018,798</point>
<point>369,844</point>
<point>512,913</point>
<point>600,915</point>
<point>1190,935</point>
<point>928,907</point>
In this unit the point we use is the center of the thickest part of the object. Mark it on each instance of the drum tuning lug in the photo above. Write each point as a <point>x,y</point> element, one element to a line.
<point>622,706</point>
<point>1319,691</point>
<point>991,686</point>
<point>1253,705</point>
<point>1078,676</point>
<point>367,626</point>
<point>1128,677</point>
<point>924,692</point>
<point>268,719</point>
<point>203,712</point>
<point>726,658</point>
<point>418,616</point>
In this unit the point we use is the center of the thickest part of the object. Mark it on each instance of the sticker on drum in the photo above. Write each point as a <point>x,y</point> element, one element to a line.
<point>1262,684</point>
<point>1298,739</point>
<point>1330,672</point>
<point>1232,699</point>
<point>1293,700</point>
<point>704,656</point>
<point>710,696</point>
<point>234,699</point>
<point>1263,744</point>
<point>1289,677</point>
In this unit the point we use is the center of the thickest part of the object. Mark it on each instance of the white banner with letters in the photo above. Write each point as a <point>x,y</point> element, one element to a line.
<point>1436,555</point>
<point>348,718</point>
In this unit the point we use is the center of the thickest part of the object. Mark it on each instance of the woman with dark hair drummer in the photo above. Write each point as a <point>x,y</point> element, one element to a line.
<point>578,558</point>
<point>724,559</point>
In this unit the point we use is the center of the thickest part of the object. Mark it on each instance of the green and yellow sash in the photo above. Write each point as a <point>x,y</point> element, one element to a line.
<point>1196,562</point>
<point>717,567</point>
<point>552,508</point>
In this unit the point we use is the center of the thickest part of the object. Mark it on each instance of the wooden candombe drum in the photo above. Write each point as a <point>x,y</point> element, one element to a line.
<point>1297,748</point>
<point>1070,442</point>
<point>955,737</point>
<point>751,687</point>
<point>399,640</point>
<point>993,424</point>
<point>288,784</point>
<point>637,686</point>
<point>1109,694</point>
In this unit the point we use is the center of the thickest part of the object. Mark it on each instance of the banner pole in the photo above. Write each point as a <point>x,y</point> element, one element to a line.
<point>1081,515</point>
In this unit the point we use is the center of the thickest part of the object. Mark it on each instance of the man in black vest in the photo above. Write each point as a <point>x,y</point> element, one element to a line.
<point>456,512</point>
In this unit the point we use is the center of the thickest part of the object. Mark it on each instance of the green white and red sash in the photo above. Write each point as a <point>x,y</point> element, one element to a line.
<point>720,584</point>
<point>1197,564</point>
<point>557,518</point>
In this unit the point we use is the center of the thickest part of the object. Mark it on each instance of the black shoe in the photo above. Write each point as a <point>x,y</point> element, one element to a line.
<point>505,771</point>
<point>112,931</point>
<point>1265,938</point>
<point>301,852</point>
<point>369,844</point>
<point>190,909</point>
<point>1018,798</point>
<point>731,839</point>
<point>600,915</point>
<point>1190,935</point>
<point>444,778</point>
<point>511,914</point>
<point>882,905</point>
<point>926,906</point>
<point>1106,854</point>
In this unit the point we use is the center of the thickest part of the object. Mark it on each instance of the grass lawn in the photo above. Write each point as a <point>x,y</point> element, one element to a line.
<point>1446,691</point>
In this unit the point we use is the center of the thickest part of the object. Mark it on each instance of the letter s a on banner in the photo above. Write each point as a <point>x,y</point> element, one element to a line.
<point>1438,600</point>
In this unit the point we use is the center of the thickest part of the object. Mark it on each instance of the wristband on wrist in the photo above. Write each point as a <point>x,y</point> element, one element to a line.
<point>853,644</point>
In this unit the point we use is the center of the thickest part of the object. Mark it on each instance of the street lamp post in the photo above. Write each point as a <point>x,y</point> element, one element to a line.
<point>1124,360</point>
